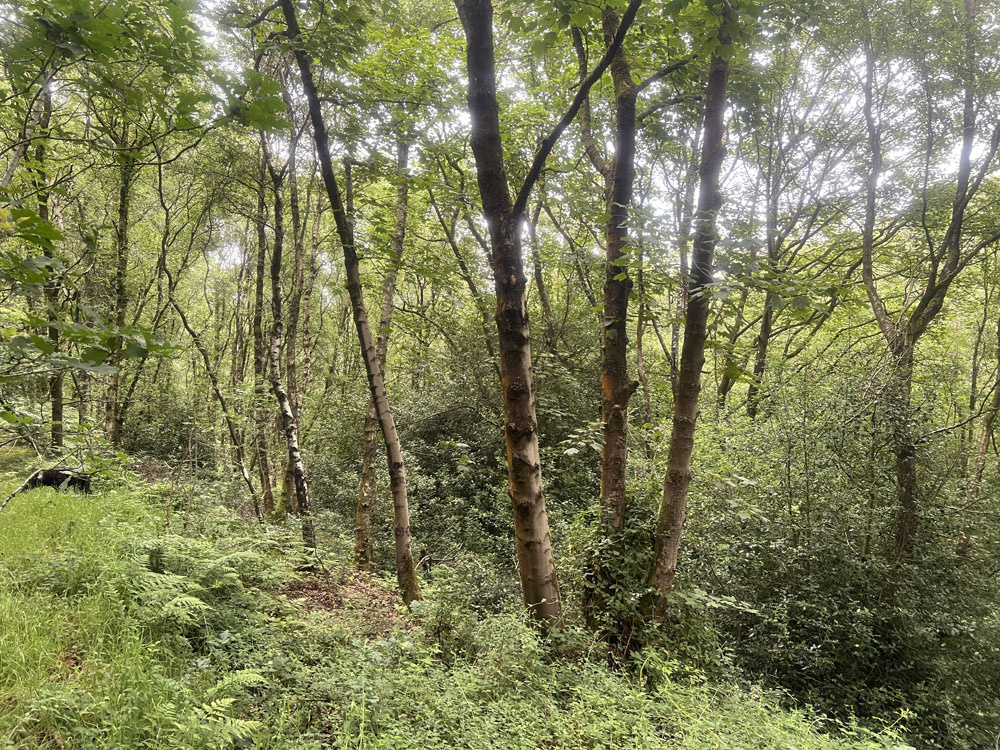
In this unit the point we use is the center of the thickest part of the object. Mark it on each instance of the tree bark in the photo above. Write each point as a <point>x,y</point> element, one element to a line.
<point>406,572</point>
<point>367,491</point>
<point>760,355</point>
<point>291,338</point>
<point>673,508</point>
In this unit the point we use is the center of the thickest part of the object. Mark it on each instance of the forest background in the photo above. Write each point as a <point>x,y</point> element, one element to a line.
<point>669,327</point>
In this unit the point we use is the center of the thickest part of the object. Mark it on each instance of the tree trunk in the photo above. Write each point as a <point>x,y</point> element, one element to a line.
<point>406,572</point>
<point>686,213</point>
<point>113,412</point>
<point>536,563</point>
<point>905,449</point>
<point>482,306</point>
<point>294,306</point>
<point>640,362</point>
<point>52,286</point>
<point>367,491</point>
<point>616,387</point>
<point>673,508</point>
<point>986,432</point>
<point>289,425</point>
<point>982,450</point>
<point>235,437</point>
<point>760,357</point>
<point>260,353</point>
<point>948,259</point>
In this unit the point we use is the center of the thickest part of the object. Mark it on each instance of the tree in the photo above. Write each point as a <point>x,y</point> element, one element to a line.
<point>504,217</point>
<point>946,256</point>
<point>673,507</point>
<point>289,422</point>
<point>406,573</point>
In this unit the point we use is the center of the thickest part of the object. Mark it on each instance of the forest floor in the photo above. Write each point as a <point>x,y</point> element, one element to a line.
<point>149,615</point>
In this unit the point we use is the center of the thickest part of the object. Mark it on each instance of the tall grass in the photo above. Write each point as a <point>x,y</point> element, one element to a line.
<point>122,628</point>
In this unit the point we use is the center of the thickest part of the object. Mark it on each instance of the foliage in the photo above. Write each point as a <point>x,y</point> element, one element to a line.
<point>126,626</point>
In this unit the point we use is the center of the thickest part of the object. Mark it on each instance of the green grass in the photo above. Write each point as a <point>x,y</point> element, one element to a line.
<point>125,623</point>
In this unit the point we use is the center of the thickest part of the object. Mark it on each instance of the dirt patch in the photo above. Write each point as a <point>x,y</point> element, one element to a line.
<point>366,603</point>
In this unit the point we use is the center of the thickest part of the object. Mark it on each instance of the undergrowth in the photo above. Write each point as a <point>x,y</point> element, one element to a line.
<point>135,618</point>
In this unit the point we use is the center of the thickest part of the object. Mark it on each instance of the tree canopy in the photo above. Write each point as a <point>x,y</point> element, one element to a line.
<point>666,330</point>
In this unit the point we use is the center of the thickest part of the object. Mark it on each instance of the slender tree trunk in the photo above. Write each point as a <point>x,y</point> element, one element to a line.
<point>905,449</point>
<point>536,563</point>
<point>640,360</point>
<point>406,572</point>
<point>673,508</point>
<point>982,450</point>
<point>684,239</point>
<point>113,412</point>
<point>308,340</point>
<point>289,425</point>
<point>760,356</point>
<point>294,308</point>
<point>366,493</point>
<point>548,318</point>
<point>52,286</point>
<point>260,353</point>
<point>733,363</point>
<point>466,273</point>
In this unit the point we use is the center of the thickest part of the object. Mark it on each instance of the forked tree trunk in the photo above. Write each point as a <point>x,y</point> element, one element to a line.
<point>536,563</point>
<point>406,572</point>
<point>948,259</point>
<point>537,567</point>
<point>673,508</point>
<point>367,493</point>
